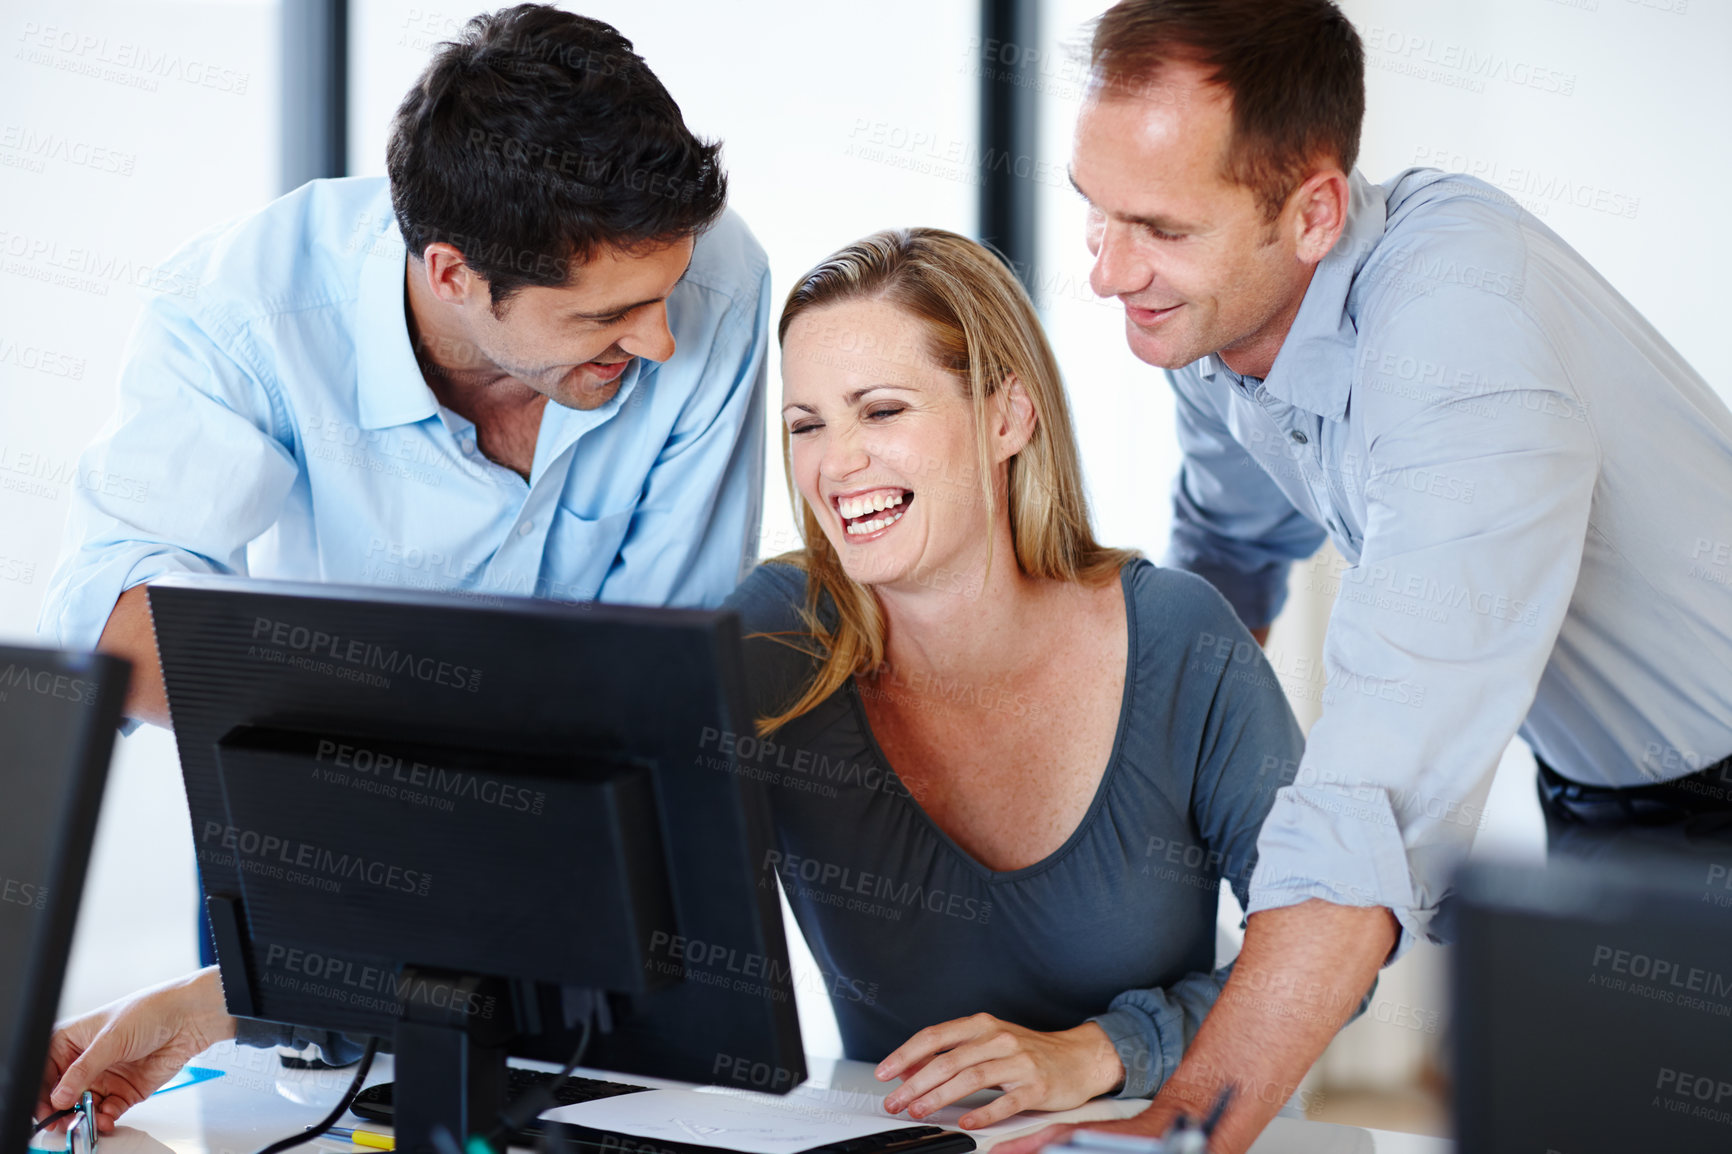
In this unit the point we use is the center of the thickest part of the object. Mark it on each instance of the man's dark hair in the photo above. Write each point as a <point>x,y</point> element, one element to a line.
<point>1295,70</point>
<point>537,139</point>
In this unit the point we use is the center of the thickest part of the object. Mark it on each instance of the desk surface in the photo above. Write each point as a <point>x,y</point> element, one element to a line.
<point>257,1101</point>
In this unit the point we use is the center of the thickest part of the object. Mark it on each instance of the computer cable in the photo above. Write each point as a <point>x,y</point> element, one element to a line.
<point>337,1111</point>
<point>83,1121</point>
<point>519,1113</point>
<point>57,1116</point>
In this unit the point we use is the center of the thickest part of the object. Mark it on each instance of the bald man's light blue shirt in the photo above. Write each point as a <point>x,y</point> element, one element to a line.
<point>1532,492</point>
<point>273,421</point>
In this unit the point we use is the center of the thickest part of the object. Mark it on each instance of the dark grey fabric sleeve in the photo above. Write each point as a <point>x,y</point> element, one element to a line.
<point>1248,747</point>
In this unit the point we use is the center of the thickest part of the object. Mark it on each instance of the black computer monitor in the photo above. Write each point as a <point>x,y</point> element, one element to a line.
<point>1593,1006</point>
<point>58,713</point>
<point>470,825</point>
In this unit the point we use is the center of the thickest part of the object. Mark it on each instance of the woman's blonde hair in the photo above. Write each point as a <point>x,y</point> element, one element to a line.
<point>981,328</point>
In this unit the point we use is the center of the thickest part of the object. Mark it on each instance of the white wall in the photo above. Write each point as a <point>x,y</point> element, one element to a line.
<point>125,127</point>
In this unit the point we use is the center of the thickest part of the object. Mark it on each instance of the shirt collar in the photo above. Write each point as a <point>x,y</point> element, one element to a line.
<point>390,389</point>
<point>561,427</point>
<point>1314,369</point>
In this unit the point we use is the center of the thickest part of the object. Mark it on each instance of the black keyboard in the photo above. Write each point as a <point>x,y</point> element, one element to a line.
<point>374,1103</point>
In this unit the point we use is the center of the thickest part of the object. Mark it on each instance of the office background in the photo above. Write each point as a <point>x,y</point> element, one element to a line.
<point>126,126</point>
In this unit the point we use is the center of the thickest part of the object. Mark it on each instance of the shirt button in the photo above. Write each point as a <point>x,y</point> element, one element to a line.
<point>468,445</point>
<point>1299,438</point>
<point>526,529</point>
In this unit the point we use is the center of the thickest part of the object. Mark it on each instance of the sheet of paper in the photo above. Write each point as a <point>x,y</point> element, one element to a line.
<point>754,1123</point>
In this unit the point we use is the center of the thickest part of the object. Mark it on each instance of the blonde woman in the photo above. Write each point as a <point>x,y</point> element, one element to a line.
<point>1009,766</point>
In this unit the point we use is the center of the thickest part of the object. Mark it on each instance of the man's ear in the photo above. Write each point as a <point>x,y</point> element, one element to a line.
<point>1013,419</point>
<point>449,276</point>
<point>1320,214</point>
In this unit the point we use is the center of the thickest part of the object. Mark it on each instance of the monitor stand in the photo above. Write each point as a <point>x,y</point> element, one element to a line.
<point>450,1050</point>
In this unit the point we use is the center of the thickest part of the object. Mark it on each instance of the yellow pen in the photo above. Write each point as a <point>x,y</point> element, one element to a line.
<point>364,1137</point>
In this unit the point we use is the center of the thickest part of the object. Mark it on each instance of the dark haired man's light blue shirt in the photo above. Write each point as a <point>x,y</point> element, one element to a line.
<point>273,421</point>
<point>1533,495</point>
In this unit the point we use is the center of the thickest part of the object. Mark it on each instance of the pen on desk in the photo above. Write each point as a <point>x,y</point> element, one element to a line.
<point>364,1137</point>
<point>1221,1104</point>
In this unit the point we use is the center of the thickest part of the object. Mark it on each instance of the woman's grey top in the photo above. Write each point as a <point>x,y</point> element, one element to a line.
<point>1116,926</point>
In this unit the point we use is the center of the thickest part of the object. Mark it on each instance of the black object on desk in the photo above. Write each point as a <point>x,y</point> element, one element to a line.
<point>374,1104</point>
<point>902,1140</point>
<point>377,1103</point>
<point>1593,1006</point>
<point>474,826</point>
<point>58,714</point>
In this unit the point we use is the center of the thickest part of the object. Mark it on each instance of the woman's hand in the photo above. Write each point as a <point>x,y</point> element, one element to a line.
<point>1037,1071</point>
<point>125,1050</point>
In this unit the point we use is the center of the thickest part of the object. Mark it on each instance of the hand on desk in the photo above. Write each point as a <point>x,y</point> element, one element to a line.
<point>1037,1071</point>
<point>124,1051</point>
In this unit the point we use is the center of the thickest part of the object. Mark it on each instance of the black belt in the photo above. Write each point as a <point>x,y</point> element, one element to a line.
<point>1705,792</point>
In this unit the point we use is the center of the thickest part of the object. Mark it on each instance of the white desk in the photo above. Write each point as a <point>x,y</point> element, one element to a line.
<point>256,1101</point>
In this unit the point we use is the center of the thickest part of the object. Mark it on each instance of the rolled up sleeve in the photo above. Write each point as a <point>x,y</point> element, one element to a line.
<point>1150,1029</point>
<point>192,468</point>
<point>1231,523</point>
<point>1439,634</point>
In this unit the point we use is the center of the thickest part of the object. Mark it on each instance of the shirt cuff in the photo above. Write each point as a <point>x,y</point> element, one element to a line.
<point>1147,1066</point>
<point>78,608</point>
<point>1342,846</point>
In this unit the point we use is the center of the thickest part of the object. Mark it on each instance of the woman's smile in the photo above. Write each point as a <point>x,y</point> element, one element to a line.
<point>867,514</point>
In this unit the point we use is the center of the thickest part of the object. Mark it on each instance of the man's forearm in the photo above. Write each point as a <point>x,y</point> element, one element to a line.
<point>129,634</point>
<point>1302,973</point>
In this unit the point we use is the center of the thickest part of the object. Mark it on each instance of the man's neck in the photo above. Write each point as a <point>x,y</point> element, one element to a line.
<point>506,412</point>
<point>452,367</point>
<point>1254,356</point>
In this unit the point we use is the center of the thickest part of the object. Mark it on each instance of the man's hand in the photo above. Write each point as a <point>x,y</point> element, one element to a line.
<point>125,1050</point>
<point>1037,1071</point>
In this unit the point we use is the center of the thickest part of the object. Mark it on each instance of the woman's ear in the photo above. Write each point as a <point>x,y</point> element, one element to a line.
<point>1013,420</point>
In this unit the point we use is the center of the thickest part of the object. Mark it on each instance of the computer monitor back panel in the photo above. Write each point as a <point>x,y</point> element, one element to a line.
<point>1594,1012</point>
<point>380,780</point>
<point>419,898</point>
<point>58,713</point>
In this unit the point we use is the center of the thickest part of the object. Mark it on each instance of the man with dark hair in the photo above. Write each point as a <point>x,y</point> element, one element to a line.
<point>1529,485</point>
<point>359,391</point>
